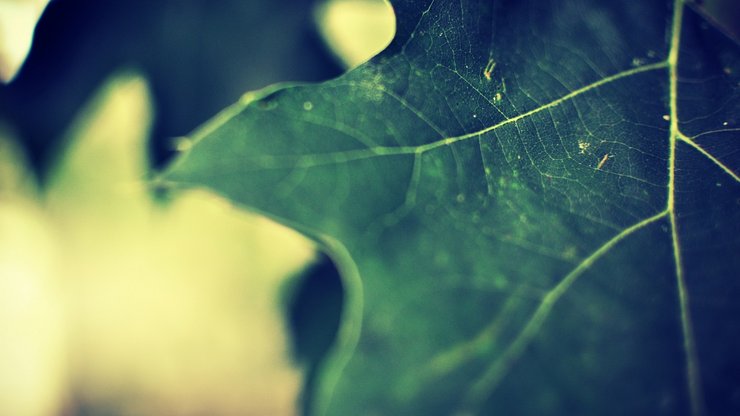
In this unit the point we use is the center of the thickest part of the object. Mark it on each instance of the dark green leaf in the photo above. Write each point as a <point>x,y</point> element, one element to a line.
<point>535,206</point>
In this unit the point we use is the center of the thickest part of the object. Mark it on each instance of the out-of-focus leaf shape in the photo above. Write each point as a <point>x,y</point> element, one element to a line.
<point>31,319</point>
<point>356,30</point>
<point>198,56</point>
<point>534,205</point>
<point>17,22</point>
<point>112,303</point>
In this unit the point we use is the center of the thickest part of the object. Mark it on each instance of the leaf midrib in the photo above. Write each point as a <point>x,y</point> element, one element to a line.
<point>689,344</point>
<point>485,384</point>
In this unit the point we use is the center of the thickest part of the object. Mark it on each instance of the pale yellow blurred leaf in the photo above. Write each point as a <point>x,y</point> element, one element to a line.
<point>31,315</point>
<point>17,22</point>
<point>168,309</point>
<point>356,30</point>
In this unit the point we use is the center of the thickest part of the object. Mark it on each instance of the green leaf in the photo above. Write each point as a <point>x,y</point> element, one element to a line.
<point>534,205</point>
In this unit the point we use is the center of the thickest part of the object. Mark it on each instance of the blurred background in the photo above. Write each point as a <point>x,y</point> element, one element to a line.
<point>116,300</point>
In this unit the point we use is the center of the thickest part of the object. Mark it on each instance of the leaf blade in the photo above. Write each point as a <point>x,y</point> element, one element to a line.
<point>432,173</point>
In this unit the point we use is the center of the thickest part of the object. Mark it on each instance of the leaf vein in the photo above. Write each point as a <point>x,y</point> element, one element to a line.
<point>495,373</point>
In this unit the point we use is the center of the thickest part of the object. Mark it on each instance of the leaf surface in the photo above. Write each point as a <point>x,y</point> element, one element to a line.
<point>534,204</point>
